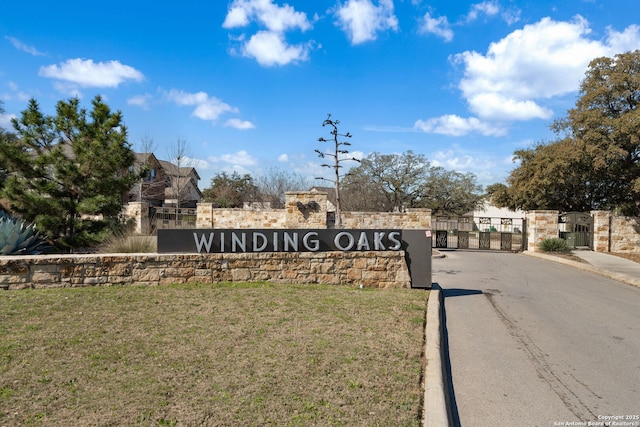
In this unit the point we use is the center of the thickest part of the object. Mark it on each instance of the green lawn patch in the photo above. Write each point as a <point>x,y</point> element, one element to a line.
<point>211,354</point>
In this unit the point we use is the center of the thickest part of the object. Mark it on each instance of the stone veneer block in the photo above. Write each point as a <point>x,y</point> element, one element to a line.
<point>368,268</point>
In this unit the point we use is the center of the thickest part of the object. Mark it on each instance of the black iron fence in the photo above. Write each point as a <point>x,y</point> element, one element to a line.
<point>167,217</point>
<point>485,233</point>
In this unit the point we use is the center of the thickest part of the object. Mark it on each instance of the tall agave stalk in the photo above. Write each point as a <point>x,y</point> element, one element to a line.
<point>19,238</point>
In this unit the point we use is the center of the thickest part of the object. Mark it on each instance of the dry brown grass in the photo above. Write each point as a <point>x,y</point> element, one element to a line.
<point>632,257</point>
<point>211,355</point>
<point>569,256</point>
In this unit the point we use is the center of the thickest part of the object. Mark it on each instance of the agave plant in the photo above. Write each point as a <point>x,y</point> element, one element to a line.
<point>19,238</point>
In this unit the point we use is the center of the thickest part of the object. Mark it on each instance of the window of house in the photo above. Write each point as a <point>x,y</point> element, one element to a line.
<point>151,175</point>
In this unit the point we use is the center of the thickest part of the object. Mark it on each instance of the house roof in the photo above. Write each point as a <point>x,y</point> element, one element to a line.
<point>146,158</point>
<point>143,157</point>
<point>174,170</point>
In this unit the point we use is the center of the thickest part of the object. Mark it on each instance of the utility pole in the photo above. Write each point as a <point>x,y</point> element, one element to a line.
<point>337,159</point>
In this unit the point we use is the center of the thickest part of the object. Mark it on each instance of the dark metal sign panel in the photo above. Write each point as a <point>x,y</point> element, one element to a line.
<point>415,243</point>
<point>277,240</point>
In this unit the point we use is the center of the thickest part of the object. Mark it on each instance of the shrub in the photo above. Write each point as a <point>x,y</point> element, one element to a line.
<point>555,245</point>
<point>19,238</point>
<point>124,242</point>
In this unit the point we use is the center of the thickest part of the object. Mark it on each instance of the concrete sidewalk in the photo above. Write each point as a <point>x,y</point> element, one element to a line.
<point>604,264</point>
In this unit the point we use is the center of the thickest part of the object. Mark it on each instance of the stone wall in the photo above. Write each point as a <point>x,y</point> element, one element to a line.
<point>541,225</point>
<point>411,219</point>
<point>610,233</point>
<point>625,234</point>
<point>209,217</point>
<point>304,209</point>
<point>308,209</point>
<point>386,269</point>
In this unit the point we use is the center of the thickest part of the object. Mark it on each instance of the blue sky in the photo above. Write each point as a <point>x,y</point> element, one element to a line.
<point>246,84</point>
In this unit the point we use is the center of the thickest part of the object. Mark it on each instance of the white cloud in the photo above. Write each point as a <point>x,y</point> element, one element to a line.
<point>24,47</point>
<point>206,107</point>
<point>625,41</point>
<point>86,73</point>
<point>488,8</point>
<point>362,20</point>
<point>488,169</point>
<point>511,16</point>
<point>518,75</point>
<point>269,47</point>
<point>453,125</point>
<point>5,120</point>
<point>193,162</point>
<point>275,18</point>
<point>498,106</point>
<point>283,158</point>
<point>530,65</point>
<point>452,160</point>
<point>237,16</point>
<point>239,124</point>
<point>438,26</point>
<point>140,100</point>
<point>240,159</point>
<point>315,170</point>
<point>441,27</point>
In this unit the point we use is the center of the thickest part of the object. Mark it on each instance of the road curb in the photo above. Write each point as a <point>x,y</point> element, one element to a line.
<point>436,408</point>
<point>588,267</point>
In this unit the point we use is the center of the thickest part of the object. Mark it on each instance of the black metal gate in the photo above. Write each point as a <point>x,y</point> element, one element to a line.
<point>502,234</point>
<point>168,217</point>
<point>577,229</point>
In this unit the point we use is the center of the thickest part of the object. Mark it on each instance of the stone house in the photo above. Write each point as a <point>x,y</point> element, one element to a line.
<point>164,183</point>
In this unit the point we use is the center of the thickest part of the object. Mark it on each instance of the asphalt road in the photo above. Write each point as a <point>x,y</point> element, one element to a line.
<point>536,343</point>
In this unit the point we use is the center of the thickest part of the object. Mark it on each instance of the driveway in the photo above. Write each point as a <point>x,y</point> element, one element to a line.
<point>536,343</point>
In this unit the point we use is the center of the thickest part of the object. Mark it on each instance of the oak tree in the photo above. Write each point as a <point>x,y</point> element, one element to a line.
<point>393,182</point>
<point>595,163</point>
<point>605,123</point>
<point>230,191</point>
<point>450,192</point>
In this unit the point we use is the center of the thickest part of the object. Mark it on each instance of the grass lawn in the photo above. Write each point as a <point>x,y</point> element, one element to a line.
<point>211,355</point>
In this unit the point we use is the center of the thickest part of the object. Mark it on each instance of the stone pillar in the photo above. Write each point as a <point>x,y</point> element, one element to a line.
<point>601,231</point>
<point>541,225</point>
<point>419,218</point>
<point>306,209</point>
<point>204,215</point>
<point>139,212</point>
